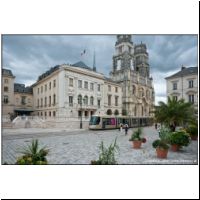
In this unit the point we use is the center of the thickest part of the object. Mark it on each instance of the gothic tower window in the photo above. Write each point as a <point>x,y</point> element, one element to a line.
<point>118,64</point>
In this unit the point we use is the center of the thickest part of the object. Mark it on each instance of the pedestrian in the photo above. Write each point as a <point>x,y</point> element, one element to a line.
<point>126,129</point>
<point>121,128</point>
<point>156,126</point>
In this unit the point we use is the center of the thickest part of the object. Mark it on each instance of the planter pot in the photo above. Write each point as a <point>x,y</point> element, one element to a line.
<point>161,153</point>
<point>175,147</point>
<point>194,137</point>
<point>137,144</point>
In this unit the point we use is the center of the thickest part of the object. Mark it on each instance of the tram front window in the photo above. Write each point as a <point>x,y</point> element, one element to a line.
<point>94,120</point>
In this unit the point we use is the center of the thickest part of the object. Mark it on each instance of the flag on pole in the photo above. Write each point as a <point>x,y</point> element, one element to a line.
<point>84,51</point>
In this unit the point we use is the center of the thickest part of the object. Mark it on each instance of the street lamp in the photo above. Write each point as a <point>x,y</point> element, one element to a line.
<point>81,101</point>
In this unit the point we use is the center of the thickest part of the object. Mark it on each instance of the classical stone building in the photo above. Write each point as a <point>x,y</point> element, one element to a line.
<point>131,69</point>
<point>73,92</point>
<point>23,99</point>
<point>184,85</point>
<point>7,93</point>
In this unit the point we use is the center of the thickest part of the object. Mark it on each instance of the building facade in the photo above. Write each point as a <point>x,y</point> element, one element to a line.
<point>184,85</point>
<point>74,91</point>
<point>7,93</point>
<point>131,70</point>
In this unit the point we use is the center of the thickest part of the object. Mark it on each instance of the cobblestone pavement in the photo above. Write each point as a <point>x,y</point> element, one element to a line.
<point>80,147</point>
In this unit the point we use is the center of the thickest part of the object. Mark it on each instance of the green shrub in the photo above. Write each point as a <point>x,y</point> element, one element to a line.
<point>164,133</point>
<point>160,144</point>
<point>136,136</point>
<point>107,155</point>
<point>192,129</point>
<point>32,155</point>
<point>180,138</point>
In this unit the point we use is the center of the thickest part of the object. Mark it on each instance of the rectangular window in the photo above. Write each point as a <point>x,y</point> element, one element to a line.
<point>5,80</point>
<point>45,101</point>
<point>191,84</point>
<point>45,87</point>
<point>41,89</point>
<point>49,100</point>
<point>116,89</point>
<point>23,100</point>
<point>79,83</point>
<point>79,113</point>
<point>109,100</point>
<point>116,101</point>
<point>50,85</point>
<point>38,103</point>
<point>99,103</point>
<point>41,102</point>
<point>54,83</point>
<point>191,98</point>
<point>71,82</point>
<point>98,88</point>
<point>6,89</point>
<point>49,113</point>
<point>54,113</point>
<point>174,86</point>
<point>71,101</point>
<point>86,85</point>
<point>5,99</point>
<point>38,90</point>
<point>92,86</point>
<point>54,99</point>
<point>86,114</point>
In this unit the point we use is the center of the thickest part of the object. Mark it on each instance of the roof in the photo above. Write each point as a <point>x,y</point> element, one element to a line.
<point>18,87</point>
<point>7,72</point>
<point>110,80</point>
<point>184,72</point>
<point>48,72</point>
<point>82,65</point>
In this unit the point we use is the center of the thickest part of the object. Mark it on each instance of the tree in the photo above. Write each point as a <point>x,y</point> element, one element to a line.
<point>174,112</point>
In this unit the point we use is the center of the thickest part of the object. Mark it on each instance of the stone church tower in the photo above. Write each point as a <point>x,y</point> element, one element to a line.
<point>131,69</point>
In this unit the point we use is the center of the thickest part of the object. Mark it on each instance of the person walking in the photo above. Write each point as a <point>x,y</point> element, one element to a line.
<point>121,128</point>
<point>156,126</point>
<point>126,129</point>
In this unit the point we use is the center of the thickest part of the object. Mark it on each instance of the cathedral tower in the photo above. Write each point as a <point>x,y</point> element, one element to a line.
<point>124,53</point>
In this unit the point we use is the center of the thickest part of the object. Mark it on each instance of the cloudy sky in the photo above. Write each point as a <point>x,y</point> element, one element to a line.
<point>28,56</point>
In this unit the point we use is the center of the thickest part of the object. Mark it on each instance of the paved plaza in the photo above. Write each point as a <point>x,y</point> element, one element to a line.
<point>82,146</point>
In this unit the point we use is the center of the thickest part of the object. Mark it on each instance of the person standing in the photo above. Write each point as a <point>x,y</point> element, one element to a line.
<point>126,129</point>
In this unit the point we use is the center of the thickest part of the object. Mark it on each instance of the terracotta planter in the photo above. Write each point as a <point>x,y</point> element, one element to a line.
<point>137,144</point>
<point>194,137</point>
<point>161,153</point>
<point>175,147</point>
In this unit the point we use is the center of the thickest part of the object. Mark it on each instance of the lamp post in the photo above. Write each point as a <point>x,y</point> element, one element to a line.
<point>81,105</point>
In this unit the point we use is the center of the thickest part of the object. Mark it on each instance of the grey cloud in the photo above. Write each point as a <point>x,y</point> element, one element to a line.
<point>30,55</point>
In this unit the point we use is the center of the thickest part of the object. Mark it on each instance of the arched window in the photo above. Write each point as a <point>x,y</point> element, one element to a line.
<point>86,100</point>
<point>109,112</point>
<point>79,99</point>
<point>91,101</point>
<point>116,112</point>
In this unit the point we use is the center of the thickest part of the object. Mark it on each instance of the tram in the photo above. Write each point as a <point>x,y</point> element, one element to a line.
<point>98,122</point>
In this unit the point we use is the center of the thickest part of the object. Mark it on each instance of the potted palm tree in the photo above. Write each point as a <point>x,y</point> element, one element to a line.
<point>161,148</point>
<point>136,139</point>
<point>33,155</point>
<point>174,112</point>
